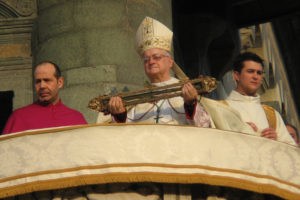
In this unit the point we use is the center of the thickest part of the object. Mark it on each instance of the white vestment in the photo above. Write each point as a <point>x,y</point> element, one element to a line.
<point>251,110</point>
<point>168,111</point>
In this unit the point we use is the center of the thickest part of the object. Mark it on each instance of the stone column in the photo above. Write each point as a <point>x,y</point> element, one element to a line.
<point>93,43</point>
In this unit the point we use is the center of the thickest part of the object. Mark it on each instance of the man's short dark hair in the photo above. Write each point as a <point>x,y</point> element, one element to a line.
<point>57,72</point>
<point>247,56</point>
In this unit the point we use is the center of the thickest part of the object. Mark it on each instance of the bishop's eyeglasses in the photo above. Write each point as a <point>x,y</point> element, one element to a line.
<point>156,57</point>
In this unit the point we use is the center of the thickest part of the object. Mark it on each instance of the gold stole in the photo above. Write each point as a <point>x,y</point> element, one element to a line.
<point>270,113</point>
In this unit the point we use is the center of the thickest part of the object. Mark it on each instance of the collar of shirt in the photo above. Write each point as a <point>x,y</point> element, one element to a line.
<point>236,96</point>
<point>168,82</point>
<point>59,103</point>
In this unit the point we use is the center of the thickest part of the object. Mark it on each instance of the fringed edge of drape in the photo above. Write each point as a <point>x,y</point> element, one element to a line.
<point>146,177</point>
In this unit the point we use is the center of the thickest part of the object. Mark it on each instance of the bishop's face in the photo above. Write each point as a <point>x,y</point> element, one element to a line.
<point>157,65</point>
<point>249,79</point>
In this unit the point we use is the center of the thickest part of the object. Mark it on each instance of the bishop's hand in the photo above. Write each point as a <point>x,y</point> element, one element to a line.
<point>116,105</point>
<point>189,93</point>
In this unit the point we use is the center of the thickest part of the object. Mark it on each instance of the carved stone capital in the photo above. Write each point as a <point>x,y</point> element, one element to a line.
<point>22,8</point>
<point>247,37</point>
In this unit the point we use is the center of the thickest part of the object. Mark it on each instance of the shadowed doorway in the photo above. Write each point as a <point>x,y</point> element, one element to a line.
<point>6,104</point>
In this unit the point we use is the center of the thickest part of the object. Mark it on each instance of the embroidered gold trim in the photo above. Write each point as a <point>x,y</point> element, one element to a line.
<point>271,116</point>
<point>154,42</point>
<point>146,176</point>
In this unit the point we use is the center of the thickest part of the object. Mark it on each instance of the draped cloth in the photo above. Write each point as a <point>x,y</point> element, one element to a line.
<point>224,117</point>
<point>59,158</point>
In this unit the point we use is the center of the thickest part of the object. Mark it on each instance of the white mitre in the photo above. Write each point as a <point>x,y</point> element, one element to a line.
<point>153,34</point>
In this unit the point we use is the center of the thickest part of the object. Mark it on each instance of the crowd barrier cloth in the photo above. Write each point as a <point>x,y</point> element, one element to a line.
<point>64,157</point>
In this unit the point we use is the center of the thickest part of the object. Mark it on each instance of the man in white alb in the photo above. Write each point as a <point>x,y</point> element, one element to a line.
<point>153,43</point>
<point>248,71</point>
